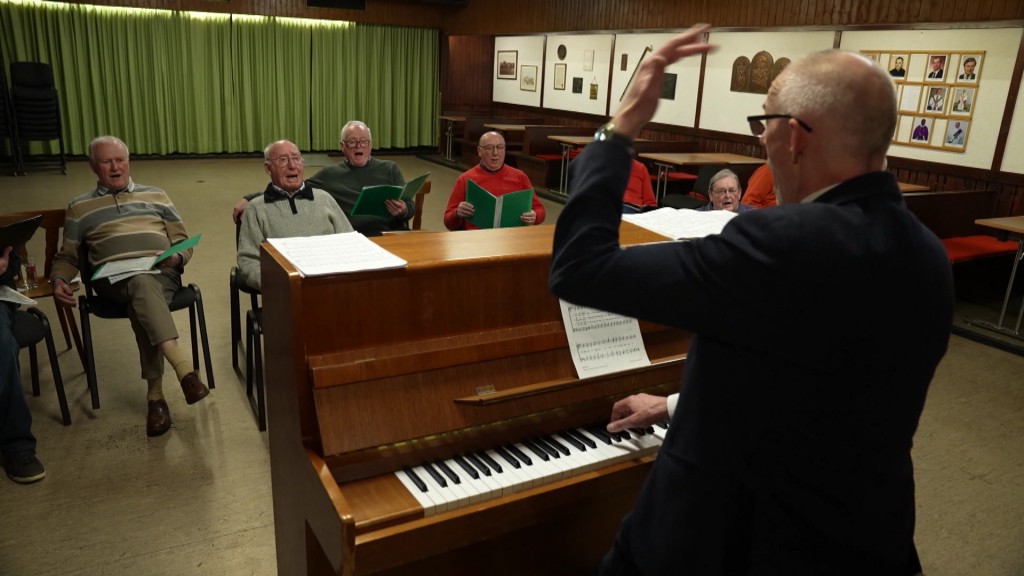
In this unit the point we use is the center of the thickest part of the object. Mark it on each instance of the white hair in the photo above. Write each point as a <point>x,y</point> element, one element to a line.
<point>106,140</point>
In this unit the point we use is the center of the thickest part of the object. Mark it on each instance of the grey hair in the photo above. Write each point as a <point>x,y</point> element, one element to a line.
<point>266,151</point>
<point>106,140</point>
<point>723,174</point>
<point>351,123</point>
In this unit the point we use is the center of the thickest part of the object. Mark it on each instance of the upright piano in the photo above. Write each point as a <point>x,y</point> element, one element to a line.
<point>373,375</point>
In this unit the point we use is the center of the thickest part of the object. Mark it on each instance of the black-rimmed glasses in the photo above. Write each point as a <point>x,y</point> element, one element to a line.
<point>757,122</point>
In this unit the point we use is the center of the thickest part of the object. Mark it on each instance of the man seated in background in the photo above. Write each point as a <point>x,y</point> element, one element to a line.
<point>121,219</point>
<point>493,175</point>
<point>639,195</point>
<point>725,191</point>
<point>17,444</point>
<point>288,207</point>
<point>760,192</point>
<point>344,182</point>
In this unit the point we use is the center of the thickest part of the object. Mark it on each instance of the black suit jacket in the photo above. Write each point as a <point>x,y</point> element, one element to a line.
<point>817,330</point>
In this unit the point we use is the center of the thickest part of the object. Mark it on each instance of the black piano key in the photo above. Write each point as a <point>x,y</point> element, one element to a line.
<point>479,465</point>
<point>515,451</point>
<point>554,442</point>
<point>435,475</point>
<point>621,435</point>
<point>600,433</point>
<point>572,440</point>
<point>512,461</point>
<point>663,425</point>
<point>649,429</point>
<point>448,472</point>
<point>539,441</point>
<point>638,431</point>
<point>489,461</point>
<point>582,438</point>
<point>466,466</point>
<point>537,450</point>
<point>415,479</point>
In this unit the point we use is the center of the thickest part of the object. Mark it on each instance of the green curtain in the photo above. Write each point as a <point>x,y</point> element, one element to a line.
<point>180,82</point>
<point>385,76</point>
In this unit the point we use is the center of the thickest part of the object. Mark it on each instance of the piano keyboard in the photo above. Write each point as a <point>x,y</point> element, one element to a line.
<point>474,477</point>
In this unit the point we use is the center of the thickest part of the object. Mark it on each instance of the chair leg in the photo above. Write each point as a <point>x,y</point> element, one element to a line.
<point>236,323</point>
<point>192,332</point>
<point>62,318</point>
<point>261,396</point>
<point>73,326</point>
<point>58,381</point>
<point>33,362</point>
<point>90,361</point>
<point>248,353</point>
<point>204,337</point>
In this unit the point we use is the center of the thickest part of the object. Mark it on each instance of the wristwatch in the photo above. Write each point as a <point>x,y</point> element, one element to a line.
<point>607,133</point>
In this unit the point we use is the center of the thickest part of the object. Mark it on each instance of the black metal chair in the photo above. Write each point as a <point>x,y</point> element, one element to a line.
<point>253,340</point>
<point>90,304</point>
<point>30,328</point>
<point>8,129</point>
<point>36,105</point>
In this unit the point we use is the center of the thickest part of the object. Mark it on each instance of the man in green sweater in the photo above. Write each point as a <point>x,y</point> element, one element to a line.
<point>288,207</point>
<point>344,181</point>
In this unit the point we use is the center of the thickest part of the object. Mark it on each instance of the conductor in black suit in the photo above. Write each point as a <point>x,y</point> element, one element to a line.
<point>789,448</point>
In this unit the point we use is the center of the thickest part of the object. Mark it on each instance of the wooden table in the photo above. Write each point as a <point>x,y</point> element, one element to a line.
<point>449,125</point>
<point>570,143</point>
<point>908,187</point>
<point>1013,225</point>
<point>665,161</point>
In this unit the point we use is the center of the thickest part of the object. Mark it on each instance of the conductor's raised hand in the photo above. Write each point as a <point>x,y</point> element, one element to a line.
<point>641,100</point>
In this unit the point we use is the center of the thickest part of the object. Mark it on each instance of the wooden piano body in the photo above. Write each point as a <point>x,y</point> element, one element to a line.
<point>370,372</point>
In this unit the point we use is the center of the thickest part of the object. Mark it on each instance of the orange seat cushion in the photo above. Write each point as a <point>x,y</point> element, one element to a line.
<point>963,248</point>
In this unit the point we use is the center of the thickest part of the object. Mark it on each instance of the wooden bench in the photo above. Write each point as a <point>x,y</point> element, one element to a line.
<point>951,215</point>
<point>541,157</point>
<point>473,128</point>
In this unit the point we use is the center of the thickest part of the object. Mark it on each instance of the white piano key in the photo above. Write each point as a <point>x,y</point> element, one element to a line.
<point>430,507</point>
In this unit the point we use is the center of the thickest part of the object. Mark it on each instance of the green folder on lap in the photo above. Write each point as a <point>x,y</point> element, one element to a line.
<point>370,201</point>
<point>490,211</point>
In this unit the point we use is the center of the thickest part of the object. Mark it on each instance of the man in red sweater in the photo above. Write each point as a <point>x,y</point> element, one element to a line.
<point>494,176</point>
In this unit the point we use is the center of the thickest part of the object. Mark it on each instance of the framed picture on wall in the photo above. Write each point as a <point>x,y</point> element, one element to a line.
<point>528,78</point>
<point>936,68</point>
<point>970,68</point>
<point>921,131</point>
<point>508,64</point>
<point>956,132</point>
<point>962,102</point>
<point>936,100</point>
<point>559,81</point>
<point>897,66</point>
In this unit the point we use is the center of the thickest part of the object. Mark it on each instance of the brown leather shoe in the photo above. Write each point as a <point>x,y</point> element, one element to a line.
<point>159,419</point>
<point>193,388</point>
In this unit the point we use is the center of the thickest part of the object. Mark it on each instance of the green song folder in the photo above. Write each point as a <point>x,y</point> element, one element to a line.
<point>370,201</point>
<point>490,211</point>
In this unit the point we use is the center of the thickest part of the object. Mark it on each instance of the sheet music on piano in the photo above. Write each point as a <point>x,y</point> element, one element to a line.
<point>335,254</point>
<point>602,342</point>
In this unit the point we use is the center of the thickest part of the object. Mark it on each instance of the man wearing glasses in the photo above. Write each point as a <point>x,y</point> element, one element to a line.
<point>789,445</point>
<point>494,176</point>
<point>725,192</point>
<point>288,207</point>
<point>345,180</point>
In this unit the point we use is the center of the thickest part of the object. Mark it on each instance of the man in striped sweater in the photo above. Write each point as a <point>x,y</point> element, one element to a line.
<point>118,220</point>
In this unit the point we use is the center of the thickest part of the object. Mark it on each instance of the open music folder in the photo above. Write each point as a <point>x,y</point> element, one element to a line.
<point>335,254</point>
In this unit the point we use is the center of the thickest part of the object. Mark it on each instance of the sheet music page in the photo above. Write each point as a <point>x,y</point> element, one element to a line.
<point>121,267</point>
<point>602,342</point>
<point>8,294</point>
<point>682,223</point>
<point>335,254</point>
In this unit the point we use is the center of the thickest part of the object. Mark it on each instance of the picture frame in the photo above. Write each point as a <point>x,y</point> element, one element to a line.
<point>559,79</point>
<point>507,64</point>
<point>956,134</point>
<point>577,85</point>
<point>962,102</point>
<point>898,66</point>
<point>970,68</point>
<point>921,130</point>
<point>935,100</point>
<point>588,60</point>
<point>528,78</point>
<point>935,68</point>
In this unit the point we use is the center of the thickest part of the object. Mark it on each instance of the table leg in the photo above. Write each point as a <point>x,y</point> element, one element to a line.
<point>998,327</point>
<point>662,189</point>
<point>448,139</point>
<point>563,178</point>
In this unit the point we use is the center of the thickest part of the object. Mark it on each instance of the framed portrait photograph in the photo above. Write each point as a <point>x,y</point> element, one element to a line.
<point>970,69</point>
<point>921,130</point>
<point>508,64</point>
<point>956,133</point>
<point>962,102</point>
<point>898,66</point>
<point>935,68</point>
<point>559,80</point>
<point>935,100</point>
<point>528,78</point>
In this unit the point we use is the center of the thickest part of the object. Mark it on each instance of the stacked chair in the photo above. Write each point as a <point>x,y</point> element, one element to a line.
<point>8,131</point>
<point>36,105</point>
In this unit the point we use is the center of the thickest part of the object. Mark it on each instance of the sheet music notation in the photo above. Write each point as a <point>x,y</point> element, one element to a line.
<point>335,254</point>
<point>602,342</point>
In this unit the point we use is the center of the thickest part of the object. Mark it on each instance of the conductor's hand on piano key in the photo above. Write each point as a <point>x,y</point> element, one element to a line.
<point>638,411</point>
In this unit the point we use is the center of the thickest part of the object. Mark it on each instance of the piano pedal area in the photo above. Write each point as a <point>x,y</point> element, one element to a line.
<point>475,477</point>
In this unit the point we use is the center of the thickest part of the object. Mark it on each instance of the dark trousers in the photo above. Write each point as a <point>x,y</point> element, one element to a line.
<point>15,418</point>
